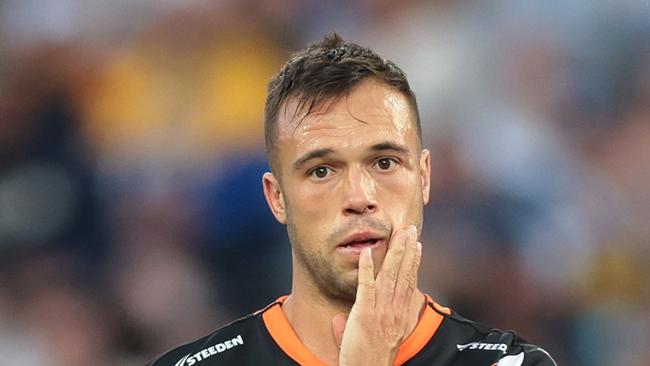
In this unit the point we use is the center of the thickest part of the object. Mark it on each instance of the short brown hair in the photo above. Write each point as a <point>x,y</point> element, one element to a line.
<point>325,71</point>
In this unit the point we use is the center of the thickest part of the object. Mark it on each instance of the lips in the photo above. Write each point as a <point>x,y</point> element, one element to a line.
<point>355,243</point>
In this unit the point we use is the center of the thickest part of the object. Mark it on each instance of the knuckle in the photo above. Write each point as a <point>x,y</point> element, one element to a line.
<point>368,284</point>
<point>410,288</point>
<point>390,274</point>
<point>399,250</point>
<point>366,265</point>
<point>416,262</point>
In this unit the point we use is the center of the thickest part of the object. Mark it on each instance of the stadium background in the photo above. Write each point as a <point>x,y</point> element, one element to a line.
<point>131,151</point>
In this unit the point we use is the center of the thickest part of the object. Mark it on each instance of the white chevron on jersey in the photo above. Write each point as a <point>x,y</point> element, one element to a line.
<point>516,360</point>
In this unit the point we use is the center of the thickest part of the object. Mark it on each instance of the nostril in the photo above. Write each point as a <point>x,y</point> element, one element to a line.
<point>360,210</point>
<point>359,206</point>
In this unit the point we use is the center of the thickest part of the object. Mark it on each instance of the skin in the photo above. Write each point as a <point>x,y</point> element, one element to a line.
<point>373,177</point>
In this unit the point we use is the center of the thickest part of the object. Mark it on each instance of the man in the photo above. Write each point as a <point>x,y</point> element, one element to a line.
<point>350,179</point>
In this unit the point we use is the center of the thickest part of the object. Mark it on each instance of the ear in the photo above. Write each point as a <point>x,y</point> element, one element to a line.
<point>274,197</point>
<point>425,172</point>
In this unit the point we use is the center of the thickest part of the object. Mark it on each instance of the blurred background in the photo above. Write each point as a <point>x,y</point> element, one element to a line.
<point>131,153</point>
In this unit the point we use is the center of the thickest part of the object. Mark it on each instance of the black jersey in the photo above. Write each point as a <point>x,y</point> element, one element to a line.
<point>441,337</point>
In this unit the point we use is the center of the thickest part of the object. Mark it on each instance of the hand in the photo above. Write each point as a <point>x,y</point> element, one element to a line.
<point>379,319</point>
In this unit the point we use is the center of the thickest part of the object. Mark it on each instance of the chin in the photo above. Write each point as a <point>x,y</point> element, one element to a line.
<point>345,287</point>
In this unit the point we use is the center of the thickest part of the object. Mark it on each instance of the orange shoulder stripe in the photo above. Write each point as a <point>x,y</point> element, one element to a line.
<point>285,337</point>
<point>282,333</point>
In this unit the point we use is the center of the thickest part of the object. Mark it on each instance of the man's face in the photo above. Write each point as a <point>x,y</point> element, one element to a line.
<point>353,172</point>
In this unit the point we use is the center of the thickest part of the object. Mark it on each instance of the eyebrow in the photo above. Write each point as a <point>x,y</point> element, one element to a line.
<point>387,145</point>
<point>315,154</point>
<point>321,153</point>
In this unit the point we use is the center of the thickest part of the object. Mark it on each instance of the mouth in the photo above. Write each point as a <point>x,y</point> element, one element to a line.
<point>354,244</point>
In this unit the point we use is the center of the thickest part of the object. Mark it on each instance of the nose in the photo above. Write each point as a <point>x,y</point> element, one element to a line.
<point>359,193</point>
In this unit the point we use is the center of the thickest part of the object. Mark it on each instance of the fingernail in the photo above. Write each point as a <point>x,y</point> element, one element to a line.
<point>413,230</point>
<point>419,247</point>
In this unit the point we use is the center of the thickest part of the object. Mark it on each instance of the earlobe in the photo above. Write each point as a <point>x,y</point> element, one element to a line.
<point>274,197</point>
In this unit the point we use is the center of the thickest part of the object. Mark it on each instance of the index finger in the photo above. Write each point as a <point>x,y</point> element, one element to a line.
<point>366,285</point>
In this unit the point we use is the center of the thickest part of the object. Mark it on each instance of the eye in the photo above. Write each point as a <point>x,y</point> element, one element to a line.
<point>320,172</point>
<point>386,164</point>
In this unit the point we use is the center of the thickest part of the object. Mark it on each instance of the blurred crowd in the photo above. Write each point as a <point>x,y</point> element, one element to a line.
<point>131,154</point>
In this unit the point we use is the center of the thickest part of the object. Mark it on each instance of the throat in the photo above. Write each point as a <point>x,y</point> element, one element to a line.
<point>312,323</point>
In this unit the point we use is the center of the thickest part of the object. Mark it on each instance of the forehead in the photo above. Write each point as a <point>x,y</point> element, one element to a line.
<point>372,112</point>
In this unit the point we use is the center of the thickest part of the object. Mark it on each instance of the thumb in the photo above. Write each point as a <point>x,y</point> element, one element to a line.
<point>338,326</point>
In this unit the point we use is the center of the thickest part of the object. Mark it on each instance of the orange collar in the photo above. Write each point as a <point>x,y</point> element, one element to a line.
<point>282,333</point>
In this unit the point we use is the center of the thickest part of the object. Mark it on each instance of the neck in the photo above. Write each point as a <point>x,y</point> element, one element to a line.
<point>310,314</point>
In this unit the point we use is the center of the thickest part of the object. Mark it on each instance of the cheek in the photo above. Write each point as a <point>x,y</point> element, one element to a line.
<point>315,199</point>
<point>401,198</point>
<point>405,184</point>
<point>310,211</point>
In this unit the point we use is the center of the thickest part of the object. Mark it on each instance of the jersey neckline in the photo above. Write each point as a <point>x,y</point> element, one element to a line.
<point>284,336</point>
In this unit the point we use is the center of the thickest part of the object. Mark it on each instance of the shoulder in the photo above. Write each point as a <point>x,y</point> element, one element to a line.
<point>470,340</point>
<point>236,334</point>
